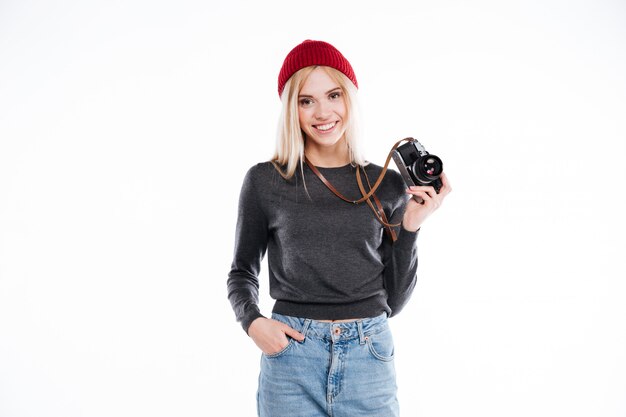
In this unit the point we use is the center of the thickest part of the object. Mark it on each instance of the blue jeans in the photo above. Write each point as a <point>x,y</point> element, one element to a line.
<point>339,370</point>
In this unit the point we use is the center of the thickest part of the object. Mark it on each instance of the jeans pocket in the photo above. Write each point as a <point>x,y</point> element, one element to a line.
<point>381,345</point>
<point>280,352</point>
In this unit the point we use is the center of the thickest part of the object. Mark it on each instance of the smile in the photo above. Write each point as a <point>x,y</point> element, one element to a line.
<point>326,127</point>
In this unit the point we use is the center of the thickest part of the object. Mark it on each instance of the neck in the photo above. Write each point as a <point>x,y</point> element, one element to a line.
<point>327,157</point>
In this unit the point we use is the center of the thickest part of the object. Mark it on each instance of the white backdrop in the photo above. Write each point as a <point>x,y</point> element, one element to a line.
<point>126,129</point>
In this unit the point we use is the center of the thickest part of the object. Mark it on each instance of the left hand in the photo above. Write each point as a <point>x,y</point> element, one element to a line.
<point>415,212</point>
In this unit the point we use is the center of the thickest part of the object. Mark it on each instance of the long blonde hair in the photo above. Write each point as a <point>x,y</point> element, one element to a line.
<point>290,138</point>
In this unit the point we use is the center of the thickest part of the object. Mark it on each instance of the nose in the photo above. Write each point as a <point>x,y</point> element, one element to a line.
<point>322,110</point>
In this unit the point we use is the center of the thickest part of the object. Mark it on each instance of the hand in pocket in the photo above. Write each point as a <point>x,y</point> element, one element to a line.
<point>271,335</point>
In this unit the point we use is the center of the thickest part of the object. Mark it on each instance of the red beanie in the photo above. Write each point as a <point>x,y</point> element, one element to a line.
<point>313,53</point>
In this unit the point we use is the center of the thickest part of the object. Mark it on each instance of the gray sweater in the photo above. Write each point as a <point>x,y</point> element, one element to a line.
<point>327,259</point>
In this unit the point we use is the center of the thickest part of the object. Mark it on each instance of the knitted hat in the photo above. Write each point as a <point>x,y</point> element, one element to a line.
<point>313,53</point>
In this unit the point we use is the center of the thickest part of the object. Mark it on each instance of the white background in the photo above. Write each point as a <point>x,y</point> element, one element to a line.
<point>126,128</point>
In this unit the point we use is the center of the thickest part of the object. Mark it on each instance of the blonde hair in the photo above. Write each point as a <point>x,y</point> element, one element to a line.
<point>290,138</point>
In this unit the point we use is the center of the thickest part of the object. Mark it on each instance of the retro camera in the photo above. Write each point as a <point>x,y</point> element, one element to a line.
<point>417,166</point>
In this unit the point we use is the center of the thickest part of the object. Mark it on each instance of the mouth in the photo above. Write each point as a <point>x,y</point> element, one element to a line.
<point>325,128</point>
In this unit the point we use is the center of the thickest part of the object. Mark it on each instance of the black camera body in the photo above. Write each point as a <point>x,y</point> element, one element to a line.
<point>417,166</point>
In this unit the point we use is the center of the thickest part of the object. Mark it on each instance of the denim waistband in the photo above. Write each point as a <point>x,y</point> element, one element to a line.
<point>357,329</point>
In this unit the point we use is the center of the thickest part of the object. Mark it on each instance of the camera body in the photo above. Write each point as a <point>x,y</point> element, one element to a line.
<point>417,166</point>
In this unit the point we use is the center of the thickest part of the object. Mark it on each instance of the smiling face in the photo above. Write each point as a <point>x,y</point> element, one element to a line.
<point>322,111</point>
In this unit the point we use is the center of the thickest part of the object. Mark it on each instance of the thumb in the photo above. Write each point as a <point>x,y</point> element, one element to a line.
<point>293,333</point>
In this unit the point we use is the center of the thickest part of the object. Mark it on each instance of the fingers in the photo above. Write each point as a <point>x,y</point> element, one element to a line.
<point>272,336</point>
<point>429,190</point>
<point>446,187</point>
<point>420,196</point>
<point>423,193</point>
<point>420,190</point>
<point>427,200</point>
<point>293,333</point>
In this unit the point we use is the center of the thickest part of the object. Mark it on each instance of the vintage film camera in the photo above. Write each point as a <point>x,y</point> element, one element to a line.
<point>417,166</point>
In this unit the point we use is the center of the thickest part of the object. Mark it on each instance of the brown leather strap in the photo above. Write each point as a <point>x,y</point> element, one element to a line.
<point>384,171</point>
<point>388,228</point>
<point>378,211</point>
<point>376,184</point>
<point>328,184</point>
<point>382,217</point>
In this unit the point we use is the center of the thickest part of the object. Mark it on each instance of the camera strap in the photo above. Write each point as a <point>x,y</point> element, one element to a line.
<point>378,211</point>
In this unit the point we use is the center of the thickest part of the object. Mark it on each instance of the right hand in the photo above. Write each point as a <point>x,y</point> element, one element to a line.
<point>271,335</point>
<point>415,213</point>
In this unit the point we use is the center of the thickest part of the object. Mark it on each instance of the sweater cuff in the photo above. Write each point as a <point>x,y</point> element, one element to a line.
<point>252,315</point>
<point>406,239</point>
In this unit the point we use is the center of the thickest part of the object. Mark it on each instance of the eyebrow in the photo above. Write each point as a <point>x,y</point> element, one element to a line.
<point>328,92</point>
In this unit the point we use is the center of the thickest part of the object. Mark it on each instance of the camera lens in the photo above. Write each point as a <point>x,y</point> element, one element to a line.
<point>427,168</point>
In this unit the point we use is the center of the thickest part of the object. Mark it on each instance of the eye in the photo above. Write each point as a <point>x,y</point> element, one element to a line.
<point>304,102</point>
<point>335,95</point>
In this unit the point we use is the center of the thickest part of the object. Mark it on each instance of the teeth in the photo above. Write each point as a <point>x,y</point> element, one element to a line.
<point>326,127</point>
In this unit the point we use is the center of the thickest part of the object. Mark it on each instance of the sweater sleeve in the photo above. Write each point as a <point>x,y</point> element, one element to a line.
<point>400,260</point>
<point>251,235</point>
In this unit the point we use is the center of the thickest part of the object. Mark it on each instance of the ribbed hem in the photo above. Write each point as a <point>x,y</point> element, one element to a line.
<point>370,307</point>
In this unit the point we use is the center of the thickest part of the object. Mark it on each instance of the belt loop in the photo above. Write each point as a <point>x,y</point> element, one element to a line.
<point>305,327</point>
<point>359,325</point>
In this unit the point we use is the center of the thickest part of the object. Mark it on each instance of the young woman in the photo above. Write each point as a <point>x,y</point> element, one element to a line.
<point>335,274</point>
